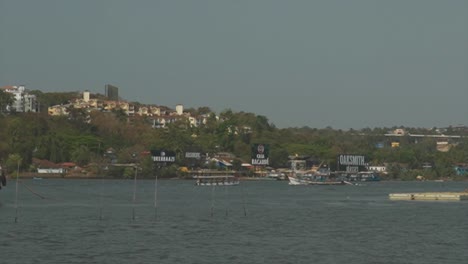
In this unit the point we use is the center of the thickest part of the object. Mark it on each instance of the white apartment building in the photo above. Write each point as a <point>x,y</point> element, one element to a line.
<point>23,102</point>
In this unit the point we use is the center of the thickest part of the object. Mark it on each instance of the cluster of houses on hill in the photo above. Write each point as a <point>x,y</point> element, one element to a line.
<point>443,142</point>
<point>160,115</point>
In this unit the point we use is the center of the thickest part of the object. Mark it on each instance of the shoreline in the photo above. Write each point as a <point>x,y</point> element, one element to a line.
<point>32,176</point>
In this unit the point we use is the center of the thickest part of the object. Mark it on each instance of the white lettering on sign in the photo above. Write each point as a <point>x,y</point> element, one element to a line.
<point>353,160</point>
<point>194,155</point>
<point>260,161</point>
<point>163,158</point>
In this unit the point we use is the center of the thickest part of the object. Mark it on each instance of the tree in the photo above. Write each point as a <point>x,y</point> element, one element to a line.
<point>81,155</point>
<point>13,162</point>
<point>278,157</point>
<point>6,99</point>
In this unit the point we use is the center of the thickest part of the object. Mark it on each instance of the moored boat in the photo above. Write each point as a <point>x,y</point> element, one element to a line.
<point>317,175</point>
<point>313,178</point>
<point>216,180</point>
<point>361,176</point>
<point>279,176</point>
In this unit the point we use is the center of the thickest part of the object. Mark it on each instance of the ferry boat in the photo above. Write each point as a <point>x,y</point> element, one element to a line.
<point>206,177</point>
<point>216,180</point>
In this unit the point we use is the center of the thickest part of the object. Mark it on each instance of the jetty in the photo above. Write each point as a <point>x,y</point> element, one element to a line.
<point>430,196</point>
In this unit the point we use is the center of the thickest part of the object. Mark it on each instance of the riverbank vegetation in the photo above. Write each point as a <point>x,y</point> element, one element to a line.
<point>94,139</point>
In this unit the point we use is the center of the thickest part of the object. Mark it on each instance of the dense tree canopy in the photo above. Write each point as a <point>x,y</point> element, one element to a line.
<point>85,137</point>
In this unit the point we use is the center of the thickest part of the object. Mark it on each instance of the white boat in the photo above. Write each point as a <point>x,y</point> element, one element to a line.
<point>279,176</point>
<point>362,176</point>
<point>317,175</point>
<point>313,178</point>
<point>216,180</point>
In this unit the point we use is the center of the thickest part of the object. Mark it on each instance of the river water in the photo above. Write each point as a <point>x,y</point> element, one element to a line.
<point>97,221</point>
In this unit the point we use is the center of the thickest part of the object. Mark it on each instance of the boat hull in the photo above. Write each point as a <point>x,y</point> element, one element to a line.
<point>217,183</point>
<point>216,180</point>
<point>298,181</point>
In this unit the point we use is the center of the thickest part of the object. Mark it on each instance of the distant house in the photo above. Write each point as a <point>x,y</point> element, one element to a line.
<point>51,170</point>
<point>382,169</point>
<point>58,110</point>
<point>399,131</point>
<point>45,166</point>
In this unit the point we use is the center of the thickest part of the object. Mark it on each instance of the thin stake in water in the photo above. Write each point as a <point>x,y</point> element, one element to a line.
<point>100,198</point>
<point>134,192</point>
<point>156,197</point>
<point>212,200</point>
<point>227,200</point>
<point>16,194</point>
<point>243,201</point>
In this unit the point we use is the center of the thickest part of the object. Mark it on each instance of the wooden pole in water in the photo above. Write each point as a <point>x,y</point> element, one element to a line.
<point>212,199</point>
<point>134,192</point>
<point>100,198</point>
<point>16,194</point>
<point>156,197</point>
<point>243,200</point>
<point>226,197</point>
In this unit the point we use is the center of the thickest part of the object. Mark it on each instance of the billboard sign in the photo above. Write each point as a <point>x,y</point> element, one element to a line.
<point>351,163</point>
<point>193,152</point>
<point>161,155</point>
<point>192,155</point>
<point>260,154</point>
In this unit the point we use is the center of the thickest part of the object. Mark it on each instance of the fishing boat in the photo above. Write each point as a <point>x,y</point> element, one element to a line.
<point>216,180</point>
<point>362,176</point>
<point>314,178</point>
<point>317,175</point>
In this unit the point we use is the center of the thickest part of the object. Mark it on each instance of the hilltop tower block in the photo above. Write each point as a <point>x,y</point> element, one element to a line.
<point>86,96</point>
<point>179,109</point>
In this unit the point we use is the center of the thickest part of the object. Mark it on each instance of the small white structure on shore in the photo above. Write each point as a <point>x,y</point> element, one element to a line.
<point>430,196</point>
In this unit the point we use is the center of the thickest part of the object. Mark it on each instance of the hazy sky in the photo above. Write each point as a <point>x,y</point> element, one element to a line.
<point>339,63</point>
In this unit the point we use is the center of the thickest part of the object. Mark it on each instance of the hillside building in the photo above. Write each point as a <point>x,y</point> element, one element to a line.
<point>23,101</point>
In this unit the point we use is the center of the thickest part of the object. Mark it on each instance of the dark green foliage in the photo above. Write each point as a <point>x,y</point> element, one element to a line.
<point>85,137</point>
<point>5,100</point>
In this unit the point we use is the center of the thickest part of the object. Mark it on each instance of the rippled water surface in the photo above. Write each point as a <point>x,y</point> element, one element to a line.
<point>94,221</point>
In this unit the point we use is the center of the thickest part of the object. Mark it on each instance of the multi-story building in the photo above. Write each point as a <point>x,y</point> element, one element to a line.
<point>23,102</point>
<point>112,92</point>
